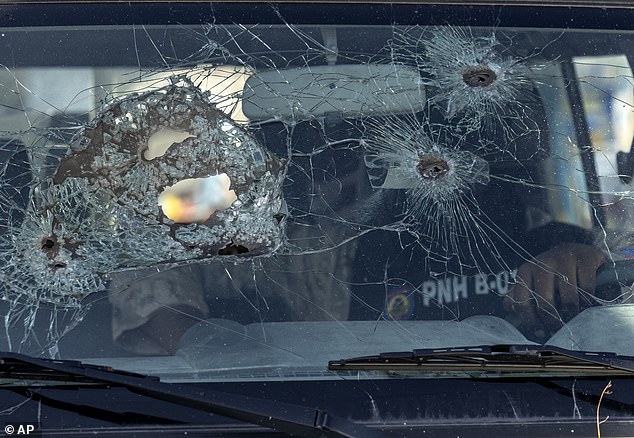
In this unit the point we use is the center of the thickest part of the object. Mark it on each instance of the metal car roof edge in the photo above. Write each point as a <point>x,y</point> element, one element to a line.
<point>552,3</point>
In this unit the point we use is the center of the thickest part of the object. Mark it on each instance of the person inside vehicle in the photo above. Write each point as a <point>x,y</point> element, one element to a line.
<point>151,314</point>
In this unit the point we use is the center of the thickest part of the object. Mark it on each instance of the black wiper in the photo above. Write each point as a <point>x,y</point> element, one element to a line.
<point>492,358</point>
<point>18,369</point>
<point>285,417</point>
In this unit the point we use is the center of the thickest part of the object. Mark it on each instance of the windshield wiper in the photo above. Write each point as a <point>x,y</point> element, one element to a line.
<point>19,369</point>
<point>492,358</point>
<point>285,417</point>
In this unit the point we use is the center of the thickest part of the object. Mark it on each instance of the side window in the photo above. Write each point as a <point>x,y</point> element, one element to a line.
<point>607,92</point>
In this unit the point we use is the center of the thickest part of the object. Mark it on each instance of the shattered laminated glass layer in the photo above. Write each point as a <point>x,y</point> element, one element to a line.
<point>101,210</point>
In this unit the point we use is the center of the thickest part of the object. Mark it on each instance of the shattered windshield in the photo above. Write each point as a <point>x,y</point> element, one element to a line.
<point>247,195</point>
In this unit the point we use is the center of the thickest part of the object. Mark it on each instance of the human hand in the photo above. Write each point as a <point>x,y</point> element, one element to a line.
<point>548,290</point>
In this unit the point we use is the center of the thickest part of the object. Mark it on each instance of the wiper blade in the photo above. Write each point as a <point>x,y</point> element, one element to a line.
<point>285,417</point>
<point>492,358</point>
<point>15,369</point>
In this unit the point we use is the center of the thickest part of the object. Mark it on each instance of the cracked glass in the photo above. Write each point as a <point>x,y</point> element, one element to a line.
<point>240,197</point>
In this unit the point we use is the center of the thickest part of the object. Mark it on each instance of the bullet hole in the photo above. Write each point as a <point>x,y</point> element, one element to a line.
<point>432,167</point>
<point>478,76</point>
<point>48,243</point>
<point>472,77</point>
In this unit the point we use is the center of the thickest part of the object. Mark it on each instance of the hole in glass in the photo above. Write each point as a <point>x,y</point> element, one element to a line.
<point>432,167</point>
<point>478,76</point>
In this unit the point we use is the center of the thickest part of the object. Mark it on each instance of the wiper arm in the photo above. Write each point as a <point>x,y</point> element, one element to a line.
<point>285,417</point>
<point>491,358</point>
